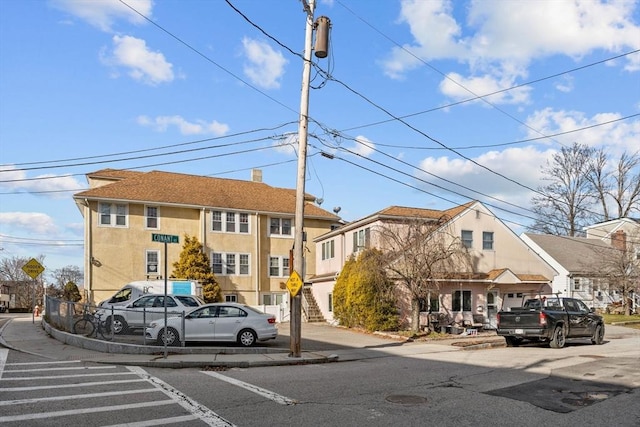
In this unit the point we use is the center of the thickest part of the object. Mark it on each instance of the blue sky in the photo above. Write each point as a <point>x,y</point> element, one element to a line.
<point>196,87</point>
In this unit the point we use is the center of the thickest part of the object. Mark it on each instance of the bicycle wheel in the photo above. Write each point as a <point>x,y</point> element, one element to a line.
<point>84,327</point>
<point>104,334</point>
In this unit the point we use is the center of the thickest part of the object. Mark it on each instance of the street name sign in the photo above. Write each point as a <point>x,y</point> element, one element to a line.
<point>164,238</point>
<point>33,268</point>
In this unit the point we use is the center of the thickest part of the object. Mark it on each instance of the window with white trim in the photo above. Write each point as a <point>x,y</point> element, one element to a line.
<point>244,264</point>
<point>328,249</point>
<point>244,223</point>
<point>280,226</point>
<point>273,299</point>
<point>226,264</point>
<point>113,214</point>
<point>278,266</point>
<point>487,240</point>
<point>152,258</point>
<point>216,220</point>
<point>467,238</point>
<point>231,298</point>
<point>152,217</point>
<point>230,222</point>
<point>361,239</point>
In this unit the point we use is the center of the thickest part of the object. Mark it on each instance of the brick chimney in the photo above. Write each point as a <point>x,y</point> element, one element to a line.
<point>619,240</point>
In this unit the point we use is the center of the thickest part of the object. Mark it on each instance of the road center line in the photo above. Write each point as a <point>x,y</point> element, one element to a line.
<point>282,400</point>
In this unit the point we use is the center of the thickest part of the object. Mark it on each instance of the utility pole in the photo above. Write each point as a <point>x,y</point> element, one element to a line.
<point>298,253</point>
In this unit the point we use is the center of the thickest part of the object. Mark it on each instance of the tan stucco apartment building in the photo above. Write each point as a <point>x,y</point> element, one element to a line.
<point>246,227</point>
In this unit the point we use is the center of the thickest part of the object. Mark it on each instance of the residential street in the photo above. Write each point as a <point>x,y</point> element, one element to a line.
<point>376,381</point>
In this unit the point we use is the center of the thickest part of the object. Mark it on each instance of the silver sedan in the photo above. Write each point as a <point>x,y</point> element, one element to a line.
<point>225,322</point>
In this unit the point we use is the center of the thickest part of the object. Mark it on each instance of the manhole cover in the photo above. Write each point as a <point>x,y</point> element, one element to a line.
<point>404,399</point>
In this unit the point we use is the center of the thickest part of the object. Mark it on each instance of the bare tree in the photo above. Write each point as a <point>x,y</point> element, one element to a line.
<point>69,274</point>
<point>419,253</point>
<point>619,186</point>
<point>621,266</point>
<point>19,283</point>
<point>564,206</point>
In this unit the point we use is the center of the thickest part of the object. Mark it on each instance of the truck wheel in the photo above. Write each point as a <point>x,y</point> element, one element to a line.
<point>558,338</point>
<point>512,341</point>
<point>598,335</point>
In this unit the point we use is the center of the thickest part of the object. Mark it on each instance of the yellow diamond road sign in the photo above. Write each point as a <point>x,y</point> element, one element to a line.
<point>294,283</point>
<point>33,268</point>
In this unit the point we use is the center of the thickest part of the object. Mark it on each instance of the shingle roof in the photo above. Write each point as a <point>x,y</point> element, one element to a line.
<point>409,212</point>
<point>576,254</point>
<point>192,190</point>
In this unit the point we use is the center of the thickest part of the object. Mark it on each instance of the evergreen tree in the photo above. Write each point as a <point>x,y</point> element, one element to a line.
<point>363,295</point>
<point>71,292</point>
<point>194,265</point>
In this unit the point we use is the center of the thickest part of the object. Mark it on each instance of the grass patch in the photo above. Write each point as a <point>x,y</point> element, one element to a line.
<point>613,318</point>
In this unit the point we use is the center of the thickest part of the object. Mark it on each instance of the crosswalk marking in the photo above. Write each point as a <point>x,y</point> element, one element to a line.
<point>205,414</point>
<point>77,411</point>
<point>110,374</point>
<point>77,396</point>
<point>258,390</point>
<point>160,422</point>
<point>48,387</point>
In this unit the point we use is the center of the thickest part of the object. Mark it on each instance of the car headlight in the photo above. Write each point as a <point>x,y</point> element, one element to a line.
<point>153,324</point>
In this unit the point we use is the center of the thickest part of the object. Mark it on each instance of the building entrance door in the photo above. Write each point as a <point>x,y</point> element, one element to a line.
<point>492,308</point>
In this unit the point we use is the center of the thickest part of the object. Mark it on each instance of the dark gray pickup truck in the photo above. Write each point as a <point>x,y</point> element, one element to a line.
<point>550,319</point>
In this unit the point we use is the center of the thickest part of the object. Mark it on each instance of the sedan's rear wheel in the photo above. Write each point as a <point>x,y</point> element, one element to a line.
<point>171,337</point>
<point>247,338</point>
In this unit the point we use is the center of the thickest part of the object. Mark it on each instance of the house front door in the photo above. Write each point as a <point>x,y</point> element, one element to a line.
<point>492,308</point>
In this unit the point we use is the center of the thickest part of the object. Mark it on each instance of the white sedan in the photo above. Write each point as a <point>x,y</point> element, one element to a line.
<point>229,322</point>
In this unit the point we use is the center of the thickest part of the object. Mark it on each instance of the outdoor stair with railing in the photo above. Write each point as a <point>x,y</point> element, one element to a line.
<point>311,310</point>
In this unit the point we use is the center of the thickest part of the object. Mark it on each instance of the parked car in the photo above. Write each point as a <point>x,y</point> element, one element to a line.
<point>228,322</point>
<point>550,319</point>
<point>139,313</point>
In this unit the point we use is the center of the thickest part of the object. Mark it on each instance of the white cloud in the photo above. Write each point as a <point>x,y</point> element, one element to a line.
<point>46,185</point>
<point>144,65</point>
<point>521,165</point>
<point>265,66</point>
<point>103,13</point>
<point>499,39</point>
<point>199,127</point>
<point>617,137</point>
<point>461,88</point>
<point>34,222</point>
<point>363,146</point>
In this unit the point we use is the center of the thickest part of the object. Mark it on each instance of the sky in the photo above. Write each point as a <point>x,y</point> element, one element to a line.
<point>421,103</point>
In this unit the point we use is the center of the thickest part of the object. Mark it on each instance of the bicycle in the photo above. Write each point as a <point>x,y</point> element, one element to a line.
<point>91,325</point>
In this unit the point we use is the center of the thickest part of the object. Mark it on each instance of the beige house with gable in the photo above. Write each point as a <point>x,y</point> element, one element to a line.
<point>504,267</point>
<point>246,227</point>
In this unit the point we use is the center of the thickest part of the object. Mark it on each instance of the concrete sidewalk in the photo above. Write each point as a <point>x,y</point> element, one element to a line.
<point>321,343</point>
<point>38,338</point>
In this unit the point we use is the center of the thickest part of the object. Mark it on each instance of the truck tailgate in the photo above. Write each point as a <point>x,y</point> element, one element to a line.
<point>519,319</point>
